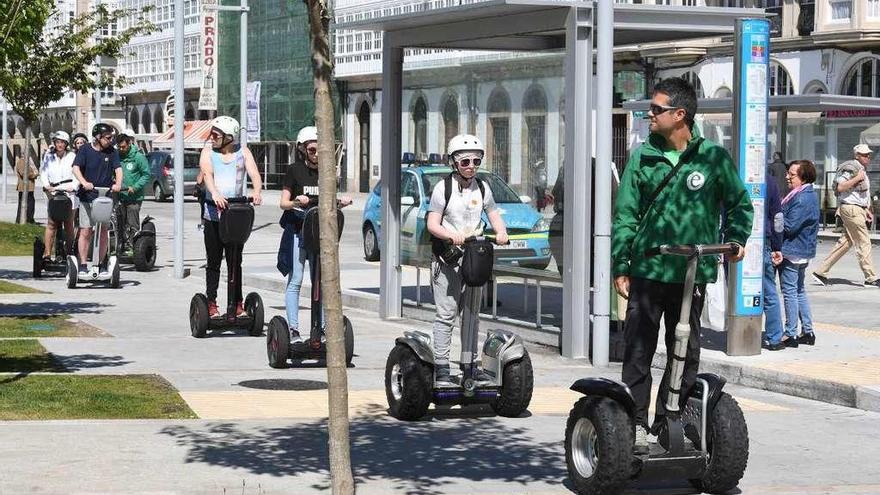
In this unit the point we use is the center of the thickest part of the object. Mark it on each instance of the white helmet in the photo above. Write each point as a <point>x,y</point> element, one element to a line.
<point>61,135</point>
<point>465,142</point>
<point>307,134</point>
<point>226,125</point>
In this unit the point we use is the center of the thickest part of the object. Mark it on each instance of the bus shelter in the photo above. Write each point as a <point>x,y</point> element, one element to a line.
<point>575,28</point>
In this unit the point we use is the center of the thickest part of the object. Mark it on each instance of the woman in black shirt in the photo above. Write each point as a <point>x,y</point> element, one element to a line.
<point>299,193</point>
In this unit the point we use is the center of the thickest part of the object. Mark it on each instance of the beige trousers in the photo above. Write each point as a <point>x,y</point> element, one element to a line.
<point>855,234</point>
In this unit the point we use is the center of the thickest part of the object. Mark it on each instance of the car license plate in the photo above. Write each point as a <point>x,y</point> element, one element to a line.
<point>515,244</point>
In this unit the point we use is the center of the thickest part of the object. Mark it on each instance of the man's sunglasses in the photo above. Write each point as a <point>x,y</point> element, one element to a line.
<point>658,109</point>
<point>312,150</point>
<point>466,162</point>
<point>108,137</point>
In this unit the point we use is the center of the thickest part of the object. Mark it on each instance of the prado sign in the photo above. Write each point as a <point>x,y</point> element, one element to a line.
<point>209,54</point>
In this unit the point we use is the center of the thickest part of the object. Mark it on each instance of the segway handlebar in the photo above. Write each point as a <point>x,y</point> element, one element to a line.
<point>234,199</point>
<point>56,184</point>
<point>490,238</point>
<point>693,249</point>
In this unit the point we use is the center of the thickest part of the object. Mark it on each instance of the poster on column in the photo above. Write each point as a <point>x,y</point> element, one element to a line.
<point>752,47</point>
<point>209,46</point>
<point>253,111</point>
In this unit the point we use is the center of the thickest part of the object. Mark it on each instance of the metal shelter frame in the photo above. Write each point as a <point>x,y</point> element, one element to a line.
<point>539,25</point>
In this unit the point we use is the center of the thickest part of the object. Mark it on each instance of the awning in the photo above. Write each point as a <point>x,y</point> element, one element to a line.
<point>195,135</point>
<point>871,135</point>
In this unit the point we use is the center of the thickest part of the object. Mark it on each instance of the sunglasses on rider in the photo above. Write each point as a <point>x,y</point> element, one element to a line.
<point>466,162</point>
<point>658,109</point>
<point>312,150</point>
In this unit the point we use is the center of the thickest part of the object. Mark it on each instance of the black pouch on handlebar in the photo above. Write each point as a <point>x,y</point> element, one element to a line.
<point>236,223</point>
<point>311,231</point>
<point>59,207</point>
<point>476,263</point>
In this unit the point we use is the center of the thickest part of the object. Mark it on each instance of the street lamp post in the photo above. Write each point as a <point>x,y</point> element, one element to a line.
<point>5,147</point>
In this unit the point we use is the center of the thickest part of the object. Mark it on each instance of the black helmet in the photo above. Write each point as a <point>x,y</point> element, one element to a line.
<point>102,128</point>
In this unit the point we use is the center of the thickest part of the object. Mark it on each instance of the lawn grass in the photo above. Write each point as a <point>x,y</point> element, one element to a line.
<point>25,356</point>
<point>42,397</point>
<point>45,326</point>
<point>18,240</point>
<point>10,288</point>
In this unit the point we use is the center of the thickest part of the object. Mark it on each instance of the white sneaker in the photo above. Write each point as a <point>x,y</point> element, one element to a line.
<point>295,337</point>
<point>641,444</point>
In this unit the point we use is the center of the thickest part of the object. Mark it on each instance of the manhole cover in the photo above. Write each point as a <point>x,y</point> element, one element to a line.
<point>284,384</point>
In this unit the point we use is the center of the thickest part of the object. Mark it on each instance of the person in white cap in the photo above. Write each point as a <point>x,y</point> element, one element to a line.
<point>55,172</point>
<point>854,208</point>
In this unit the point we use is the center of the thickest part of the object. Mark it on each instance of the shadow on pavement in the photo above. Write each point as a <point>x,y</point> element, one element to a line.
<point>77,362</point>
<point>415,457</point>
<point>16,275</point>
<point>52,308</point>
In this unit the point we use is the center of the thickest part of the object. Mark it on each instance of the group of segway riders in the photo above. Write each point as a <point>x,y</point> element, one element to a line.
<point>74,173</point>
<point>676,187</point>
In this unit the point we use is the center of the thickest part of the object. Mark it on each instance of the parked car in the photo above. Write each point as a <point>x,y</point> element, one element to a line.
<point>527,228</point>
<point>162,171</point>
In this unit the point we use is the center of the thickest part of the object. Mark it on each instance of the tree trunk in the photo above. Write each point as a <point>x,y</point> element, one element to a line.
<point>26,150</point>
<point>341,479</point>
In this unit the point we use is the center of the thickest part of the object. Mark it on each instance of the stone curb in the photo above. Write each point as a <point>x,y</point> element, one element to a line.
<point>855,396</point>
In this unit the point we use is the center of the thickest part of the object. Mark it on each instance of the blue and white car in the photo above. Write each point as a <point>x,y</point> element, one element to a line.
<point>528,230</point>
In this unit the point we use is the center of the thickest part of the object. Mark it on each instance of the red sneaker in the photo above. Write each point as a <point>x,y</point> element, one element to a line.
<point>239,310</point>
<point>213,310</point>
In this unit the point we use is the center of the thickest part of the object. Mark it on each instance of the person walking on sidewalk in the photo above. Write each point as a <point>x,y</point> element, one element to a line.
<point>27,175</point>
<point>854,197</point>
<point>773,227</point>
<point>96,165</point>
<point>299,189</point>
<point>223,165</point>
<point>135,176</point>
<point>776,171</point>
<point>674,190</point>
<point>800,208</point>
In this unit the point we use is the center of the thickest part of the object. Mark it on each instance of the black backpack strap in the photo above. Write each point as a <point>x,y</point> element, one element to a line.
<point>663,184</point>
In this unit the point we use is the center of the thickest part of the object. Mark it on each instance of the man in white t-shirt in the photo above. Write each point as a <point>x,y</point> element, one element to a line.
<point>854,208</point>
<point>454,222</point>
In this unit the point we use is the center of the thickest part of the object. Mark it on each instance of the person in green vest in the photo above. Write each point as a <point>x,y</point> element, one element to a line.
<point>703,187</point>
<point>135,176</point>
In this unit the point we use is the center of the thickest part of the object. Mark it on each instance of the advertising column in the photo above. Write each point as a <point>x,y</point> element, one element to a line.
<point>750,114</point>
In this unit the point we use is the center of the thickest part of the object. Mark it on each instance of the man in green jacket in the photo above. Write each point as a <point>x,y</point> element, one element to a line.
<point>704,185</point>
<point>135,177</point>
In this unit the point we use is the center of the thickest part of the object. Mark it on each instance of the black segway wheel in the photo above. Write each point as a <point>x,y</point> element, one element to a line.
<point>253,305</point>
<point>516,388</point>
<point>198,316</point>
<point>72,272</point>
<point>278,342</point>
<point>599,439</point>
<point>114,275</point>
<point>409,383</point>
<point>145,253</point>
<point>39,247</point>
<point>349,339</point>
<point>728,445</point>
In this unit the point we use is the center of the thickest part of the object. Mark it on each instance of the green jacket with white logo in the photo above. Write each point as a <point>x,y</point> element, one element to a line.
<point>688,211</point>
<point>135,174</point>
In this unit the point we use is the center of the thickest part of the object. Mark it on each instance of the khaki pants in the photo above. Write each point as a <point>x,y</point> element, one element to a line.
<point>855,234</point>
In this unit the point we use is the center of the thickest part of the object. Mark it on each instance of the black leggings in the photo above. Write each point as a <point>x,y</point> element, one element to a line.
<point>214,251</point>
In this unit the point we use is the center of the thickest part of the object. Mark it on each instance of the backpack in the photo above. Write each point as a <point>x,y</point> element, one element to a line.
<point>441,249</point>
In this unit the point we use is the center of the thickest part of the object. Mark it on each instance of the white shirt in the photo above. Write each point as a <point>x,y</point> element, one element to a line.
<point>465,208</point>
<point>854,196</point>
<point>54,170</point>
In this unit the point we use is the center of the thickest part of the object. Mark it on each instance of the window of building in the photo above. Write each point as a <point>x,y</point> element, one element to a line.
<point>450,118</point>
<point>420,127</point>
<point>841,10</point>
<point>872,9</point>
<point>780,82</point>
<point>498,152</point>
<point>863,79</point>
<point>534,131</point>
<point>694,79</point>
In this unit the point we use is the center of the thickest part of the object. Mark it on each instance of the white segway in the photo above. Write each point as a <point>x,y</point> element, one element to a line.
<point>102,213</point>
